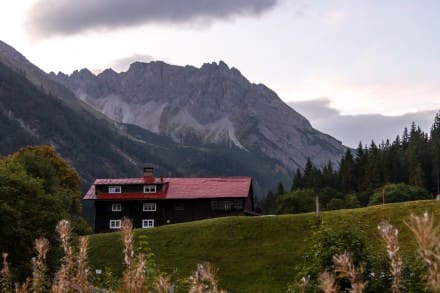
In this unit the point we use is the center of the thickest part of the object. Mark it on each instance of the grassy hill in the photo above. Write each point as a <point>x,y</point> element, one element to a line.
<point>255,254</point>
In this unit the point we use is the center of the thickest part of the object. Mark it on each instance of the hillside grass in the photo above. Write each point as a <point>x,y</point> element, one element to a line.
<point>254,254</point>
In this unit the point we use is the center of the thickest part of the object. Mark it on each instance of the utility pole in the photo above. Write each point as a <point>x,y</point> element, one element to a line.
<point>317,205</point>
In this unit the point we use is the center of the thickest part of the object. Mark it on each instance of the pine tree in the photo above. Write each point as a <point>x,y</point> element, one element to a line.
<point>360,164</point>
<point>280,189</point>
<point>435,151</point>
<point>297,180</point>
<point>347,179</point>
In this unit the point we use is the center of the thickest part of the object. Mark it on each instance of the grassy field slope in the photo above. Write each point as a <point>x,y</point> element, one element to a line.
<point>253,254</point>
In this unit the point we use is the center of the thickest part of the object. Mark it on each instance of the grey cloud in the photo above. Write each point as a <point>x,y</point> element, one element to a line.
<point>123,63</point>
<point>315,109</point>
<point>72,16</point>
<point>351,129</point>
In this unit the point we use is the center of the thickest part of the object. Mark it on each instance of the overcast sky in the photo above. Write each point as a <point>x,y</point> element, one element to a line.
<point>358,70</point>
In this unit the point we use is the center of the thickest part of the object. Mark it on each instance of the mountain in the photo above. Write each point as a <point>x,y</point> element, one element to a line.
<point>184,121</point>
<point>36,110</point>
<point>212,104</point>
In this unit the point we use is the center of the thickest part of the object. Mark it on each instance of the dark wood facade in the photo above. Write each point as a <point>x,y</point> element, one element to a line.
<point>167,211</point>
<point>152,203</point>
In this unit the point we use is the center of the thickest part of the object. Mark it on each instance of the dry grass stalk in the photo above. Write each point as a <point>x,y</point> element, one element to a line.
<point>5,274</point>
<point>327,283</point>
<point>139,273</point>
<point>39,281</point>
<point>5,267</point>
<point>82,272</point>
<point>163,284</point>
<point>390,236</point>
<point>127,239</point>
<point>60,283</point>
<point>304,283</point>
<point>24,287</point>
<point>426,234</point>
<point>345,268</point>
<point>129,281</point>
<point>63,278</point>
<point>204,279</point>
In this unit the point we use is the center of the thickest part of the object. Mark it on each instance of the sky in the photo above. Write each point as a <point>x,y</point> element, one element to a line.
<point>358,70</point>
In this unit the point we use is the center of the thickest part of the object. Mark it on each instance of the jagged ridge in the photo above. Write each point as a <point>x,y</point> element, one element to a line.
<point>212,104</point>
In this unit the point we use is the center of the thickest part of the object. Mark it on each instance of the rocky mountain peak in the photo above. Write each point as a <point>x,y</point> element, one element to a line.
<point>83,74</point>
<point>212,104</point>
<point>211,121</point>
<point>108,75</point>
<point>214,66</point>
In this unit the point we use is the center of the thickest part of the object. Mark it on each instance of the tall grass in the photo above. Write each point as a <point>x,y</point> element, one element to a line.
<point>427,236</point>
<point>73,273</point>
<point>5,282</point>
<point>390,235</point>
<point>345,268</point>
<point>204,279</point>
<point>39,277</point>
<point>327,283</point>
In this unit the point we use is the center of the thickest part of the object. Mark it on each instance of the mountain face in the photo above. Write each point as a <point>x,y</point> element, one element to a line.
<point>35,110</point>
<point>213,104</point>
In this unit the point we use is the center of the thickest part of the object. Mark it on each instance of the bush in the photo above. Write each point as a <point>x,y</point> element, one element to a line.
<point>297,201</point>
<point>398,193</point>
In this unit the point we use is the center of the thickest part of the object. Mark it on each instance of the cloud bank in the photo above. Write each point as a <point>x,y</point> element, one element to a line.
<point>123,64</point>
<point>352,129</point>
<point>56,17</point>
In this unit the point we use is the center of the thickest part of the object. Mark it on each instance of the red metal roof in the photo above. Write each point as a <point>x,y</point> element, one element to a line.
<point>178,188</point>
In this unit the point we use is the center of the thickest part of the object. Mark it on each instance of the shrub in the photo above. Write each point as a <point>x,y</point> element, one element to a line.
<point>398,193</point>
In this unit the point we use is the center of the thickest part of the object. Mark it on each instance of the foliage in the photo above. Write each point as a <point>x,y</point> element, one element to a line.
<point>325,243</point>
<point>37,189</point>
<point>398,192</point>
<point>298,201</point>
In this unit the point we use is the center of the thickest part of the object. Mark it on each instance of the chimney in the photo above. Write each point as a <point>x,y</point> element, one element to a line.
<point>148,174</point>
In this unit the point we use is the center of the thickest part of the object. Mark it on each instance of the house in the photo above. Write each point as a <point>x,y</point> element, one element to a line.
<point>151,201</point>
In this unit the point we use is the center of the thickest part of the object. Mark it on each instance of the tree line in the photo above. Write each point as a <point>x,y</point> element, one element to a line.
<point>407,168</point>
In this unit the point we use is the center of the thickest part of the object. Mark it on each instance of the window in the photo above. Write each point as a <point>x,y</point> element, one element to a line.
<point>115,224</point>
<point>149,207</point>
<point>116,207</point>
<point>114,189</point>
<point>148,223</point>
<point>227,205</point>
<point>149,188</point>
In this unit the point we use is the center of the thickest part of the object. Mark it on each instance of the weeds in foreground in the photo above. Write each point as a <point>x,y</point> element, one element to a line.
<point>427,236</point>
<point>73,274</point>
<point>133,277</point>
<point>5,284</point>
<point>204,279</point>
<point>39,269</point>
<point>345,268</point>
<point>327,282</point>
<point>390,235</point>
<point>163,284</point>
